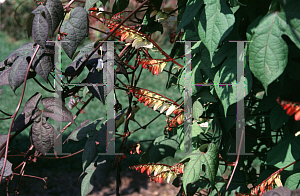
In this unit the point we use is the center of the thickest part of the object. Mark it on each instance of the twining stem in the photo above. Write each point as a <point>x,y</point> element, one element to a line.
<point>17,109</point>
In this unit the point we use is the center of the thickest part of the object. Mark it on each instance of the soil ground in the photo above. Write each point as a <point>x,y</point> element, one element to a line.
<point>66,184</point>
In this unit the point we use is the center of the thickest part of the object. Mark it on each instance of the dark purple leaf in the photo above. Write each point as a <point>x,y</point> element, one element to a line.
<point>2,65</point>
<point>3,139</point>
<point>4,77</point>
<point>29,24</point>
<point>295,192</point>
<point>44,61</point>
<point>54,12</point>
<point>97,88</point>
<point>42,135</point>
<point>7,170</point>
<point>76,68</point>
<point>56,109</point>
<point>26,49</point>
<point>280,191</point>
<point>28,114</point>
<point>77,28</point>
<point>19,66</point>
<point>17,73</point>
<point>40,29</point>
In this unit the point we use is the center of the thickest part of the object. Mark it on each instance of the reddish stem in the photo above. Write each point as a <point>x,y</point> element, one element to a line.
<point>17,109</point>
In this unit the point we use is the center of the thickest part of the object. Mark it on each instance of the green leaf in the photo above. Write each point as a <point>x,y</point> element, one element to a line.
<point>188,79</point>
<point>84,130</point>
<point>89,152</point>
<point>86,50</point>
<point>102,171</point>
<point>216,22</point>
<point>54,12</point>
<point>40,29</point>
<point>192,8</point>
<point>104,2</point>
<point>119,6</point>
<point>205,95</point>
<point>284,153</point>
<point>201,164</point>
<point>278,117</point>
<point>90,3</point>
<point>56,109</point>
<point>196,131</point>
<point>293,181</point>
<point>87,183</point>
<point>42,135</point>
<point>268,52</point>
<point>291,10</point>
<point>161,147</point>
<point>293,70</point>
<point>227,75</point>
<point>149,25</point>
<point>83,124</point>
<point>197,109</point>
<point>77,28</point>
<point>267,103</point>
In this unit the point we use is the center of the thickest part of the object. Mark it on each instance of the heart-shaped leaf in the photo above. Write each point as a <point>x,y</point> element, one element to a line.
<point>43,62</point>
<point>42,135</point>
<point>216,22</point>
<point>17,73</point>
<point>201,164</point>
<point>28,114</point>
<point>227,75</point>
<point>56,109</point>
<point>7,170</point>
<point>40,29</point>
<point>4,77</point>
<point>76,28</point>
<point>54,12</point>
<point>26,49</point>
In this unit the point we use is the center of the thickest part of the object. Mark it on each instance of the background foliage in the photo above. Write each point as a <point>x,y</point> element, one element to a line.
<point>271,93</point>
